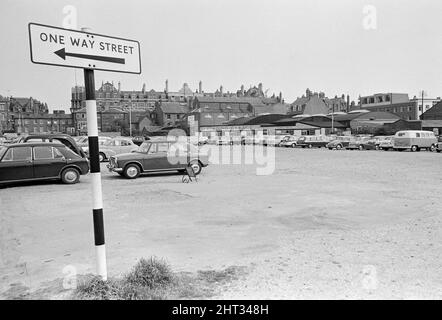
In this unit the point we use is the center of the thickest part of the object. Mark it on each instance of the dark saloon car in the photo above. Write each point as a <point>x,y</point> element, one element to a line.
<point>158,156</point>
<point>65,139</point>
<point>363,143</point>
<point>40,161</point>
<point>340,142</point>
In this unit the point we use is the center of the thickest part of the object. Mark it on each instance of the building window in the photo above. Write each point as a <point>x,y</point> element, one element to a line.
<point>168,116</point>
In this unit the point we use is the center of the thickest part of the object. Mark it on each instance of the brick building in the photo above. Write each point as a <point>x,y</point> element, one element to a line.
<point>110,120</point>
<point>170,113</point>
<point>328,105</point>
<point>108,96</point>
<point>28,115</point>
<point>398,103</point>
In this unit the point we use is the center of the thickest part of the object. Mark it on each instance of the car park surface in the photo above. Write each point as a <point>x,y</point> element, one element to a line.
<point>316,236</point>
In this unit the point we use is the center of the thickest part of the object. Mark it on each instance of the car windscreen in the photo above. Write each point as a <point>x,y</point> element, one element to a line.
<point>144,147</point>
<point>2,151</point>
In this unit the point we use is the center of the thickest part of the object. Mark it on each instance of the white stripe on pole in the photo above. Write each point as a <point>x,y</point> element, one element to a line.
<point>92,123</point>
<point>96,190</point>
<point>100,252</point>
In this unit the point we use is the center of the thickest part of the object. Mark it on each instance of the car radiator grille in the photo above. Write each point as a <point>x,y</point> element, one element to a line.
<point>113,162</point>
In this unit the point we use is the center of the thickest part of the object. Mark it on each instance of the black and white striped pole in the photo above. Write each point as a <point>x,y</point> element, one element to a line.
<point>97,209</point>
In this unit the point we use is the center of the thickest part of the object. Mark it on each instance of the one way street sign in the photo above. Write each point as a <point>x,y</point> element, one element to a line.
<point>77,49</point>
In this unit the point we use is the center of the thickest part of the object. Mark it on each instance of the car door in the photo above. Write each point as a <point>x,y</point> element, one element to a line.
<point>16,164</point>
<point>156,158</point>
<point>48,162</point>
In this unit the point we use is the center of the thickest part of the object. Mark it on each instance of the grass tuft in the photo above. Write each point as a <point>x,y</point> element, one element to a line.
<point>94,288</point>
<point>153,279</point>
<point>151,273</point>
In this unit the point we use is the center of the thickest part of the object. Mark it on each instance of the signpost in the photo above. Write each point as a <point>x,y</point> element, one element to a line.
<point>78,49</point>
<point>90,51</point>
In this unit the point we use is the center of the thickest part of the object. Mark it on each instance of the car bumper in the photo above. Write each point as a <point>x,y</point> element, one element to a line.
<point>111,169</point>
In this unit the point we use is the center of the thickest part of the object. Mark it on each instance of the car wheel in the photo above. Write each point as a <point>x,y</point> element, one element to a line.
<point>70,176</point>
<point>438,151</point>
<point>338,147</point>
<point>361,147</point>
<point>414,148</point>
<point>131,171</point>
<point>101,156</point>
<point>196,166</point>
<point>293,145</point>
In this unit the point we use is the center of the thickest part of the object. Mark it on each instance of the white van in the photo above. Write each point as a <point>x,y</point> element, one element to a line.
<point>414,140</point>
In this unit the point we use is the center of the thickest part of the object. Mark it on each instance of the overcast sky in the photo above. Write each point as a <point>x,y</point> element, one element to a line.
<point>287,45</point>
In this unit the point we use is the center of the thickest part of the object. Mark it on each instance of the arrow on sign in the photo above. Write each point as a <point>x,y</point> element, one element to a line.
<point>62,54</point>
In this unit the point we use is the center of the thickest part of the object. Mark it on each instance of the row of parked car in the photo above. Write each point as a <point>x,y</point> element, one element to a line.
<point>413,140</point>
<point>60,156</point>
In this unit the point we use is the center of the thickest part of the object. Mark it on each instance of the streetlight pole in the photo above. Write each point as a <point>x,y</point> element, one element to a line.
<point>130,118</point>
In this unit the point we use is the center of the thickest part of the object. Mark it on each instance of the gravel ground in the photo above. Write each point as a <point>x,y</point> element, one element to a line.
<point>325,224</point>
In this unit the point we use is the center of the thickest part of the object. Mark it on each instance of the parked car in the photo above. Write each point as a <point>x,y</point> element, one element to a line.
<point>114,146</point>
<point>386,143</point>
<point>273,140</point>
<point>340,142</point>
<point>284,138</point>
<point>289,141</point>
<point>313,141</point>
<point>83,143</point>
<point>65,139</point>
<point>362,143</point>
<point>158,156</point>
<point>414,140</point>
<point>41,161</point>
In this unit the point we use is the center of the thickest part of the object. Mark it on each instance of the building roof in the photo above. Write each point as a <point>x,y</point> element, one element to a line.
<point>323,124</point>
<point>238,122</point>
<point>435,110</point>
<point>315,105</point>
<point>377,116</point>
<point>174,107</point>
<point>261,119</point>
<point>431,123</point>
<point>234,99</point>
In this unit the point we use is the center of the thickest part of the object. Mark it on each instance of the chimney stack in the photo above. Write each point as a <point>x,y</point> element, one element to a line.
<point>348,103</point>
<point>144,88</point>
<point>221,89</point>
<point>119,86</point>
<point>167,86</point>
<point>200,87</point>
